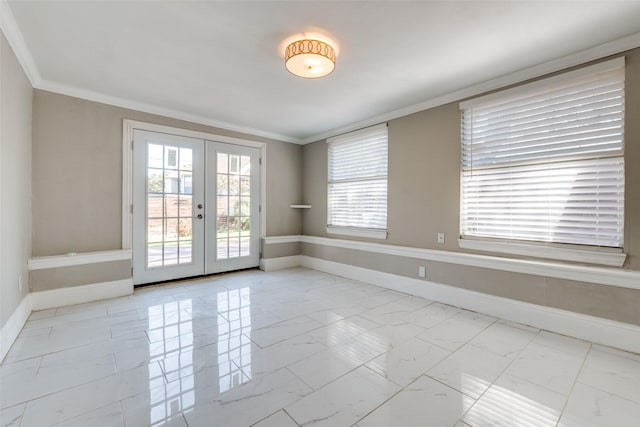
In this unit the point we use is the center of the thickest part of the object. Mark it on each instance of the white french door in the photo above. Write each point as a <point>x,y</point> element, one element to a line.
<point>195,207</point>
<point>233,202</point>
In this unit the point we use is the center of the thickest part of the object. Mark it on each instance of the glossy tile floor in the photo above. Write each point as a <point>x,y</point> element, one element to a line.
<point>299,347</point>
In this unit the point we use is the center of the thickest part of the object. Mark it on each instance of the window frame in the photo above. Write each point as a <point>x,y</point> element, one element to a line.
<point>355,231</point>
<point>591,254</point>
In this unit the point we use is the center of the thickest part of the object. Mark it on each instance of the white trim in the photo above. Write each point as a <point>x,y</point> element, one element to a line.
<point>602,331</point>
<point>158,110</point>
<point>71,259</point>
<point>127,184</point>
<point>274,240</point>
<point>600,275</point>
<point>153,127</point>
<point>591,54</point>
<point>127,168</point>
<point>300,206</point>
<point>12,327</point>
<point>81,294</point>
<point>273,264</point>
<point>358,232</point>
<point>16,41</point>
<point>613,259</point>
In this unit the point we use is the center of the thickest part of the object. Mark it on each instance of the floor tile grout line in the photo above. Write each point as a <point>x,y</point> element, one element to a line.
<point>289,415</point>
<point>400,390</point>
<point>575,381</point>
<point>122,413</point>
<point>634,402</point>
<point>337,378</point>
<point>511,361</point>
<point>452,352</point>
<point>33,398</point>
<point>518,357</point>
<point>66,420</point>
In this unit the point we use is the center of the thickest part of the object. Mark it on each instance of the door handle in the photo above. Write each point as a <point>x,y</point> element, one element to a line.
<point>199,216</point>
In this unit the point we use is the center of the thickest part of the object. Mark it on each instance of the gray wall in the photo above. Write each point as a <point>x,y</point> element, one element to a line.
<point>77,275</point>
<point>423,199</point>
<point>16,97</point>
<point>77,174</point>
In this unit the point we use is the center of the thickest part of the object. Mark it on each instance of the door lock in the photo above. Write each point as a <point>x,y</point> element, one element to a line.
<point>199,205</point>
<point>199,216</point>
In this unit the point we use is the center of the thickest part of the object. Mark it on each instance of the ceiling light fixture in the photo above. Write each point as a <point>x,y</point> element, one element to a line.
<point>310,58</point>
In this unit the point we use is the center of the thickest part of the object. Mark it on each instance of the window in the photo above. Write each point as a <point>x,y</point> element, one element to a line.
<point>544,163</point>
<point>357,187</point>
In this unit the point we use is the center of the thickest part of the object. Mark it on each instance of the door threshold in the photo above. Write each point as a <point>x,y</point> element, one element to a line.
<point>194,278</point>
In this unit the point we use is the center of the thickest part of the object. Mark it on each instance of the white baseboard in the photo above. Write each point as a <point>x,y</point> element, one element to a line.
<point>80,294</point>
<point>601,331</point>
<point>58,298</point>
<point>9,332</point>
<point>273,264</point>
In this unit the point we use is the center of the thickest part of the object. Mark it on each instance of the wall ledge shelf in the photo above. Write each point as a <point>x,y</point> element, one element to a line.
<point>300,206</point>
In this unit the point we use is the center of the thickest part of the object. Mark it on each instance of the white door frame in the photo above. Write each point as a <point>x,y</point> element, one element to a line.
<point>127,169</point>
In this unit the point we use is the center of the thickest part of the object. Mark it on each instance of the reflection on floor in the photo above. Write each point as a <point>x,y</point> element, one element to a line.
<point>300,347</point>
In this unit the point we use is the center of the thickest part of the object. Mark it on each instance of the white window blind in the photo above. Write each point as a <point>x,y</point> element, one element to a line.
<point>357,175</point>
<point>545,162</point>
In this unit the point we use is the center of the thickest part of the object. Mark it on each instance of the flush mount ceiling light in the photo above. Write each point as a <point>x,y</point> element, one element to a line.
<point>310,58</point>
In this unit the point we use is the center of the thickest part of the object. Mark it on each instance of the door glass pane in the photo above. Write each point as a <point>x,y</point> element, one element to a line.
<point>223,249</point>
<point>186,160</point>
<point>234,245</point>
<point>223,163</point>
<point>245,165</point>
<point>233,210</point>
<point>222,187</point>
<point>234,185</point>
<point>245,206</point>
<point>245,226</point>
<point>245,185</point>
<point>155,156</point>
<point>244,246</point>
<point>154,242</point>
<point>185,203</point>
<point>169,205</point>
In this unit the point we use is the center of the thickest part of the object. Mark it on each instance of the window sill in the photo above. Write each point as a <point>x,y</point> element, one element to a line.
<point>358,232</point>
<point>601,257</point>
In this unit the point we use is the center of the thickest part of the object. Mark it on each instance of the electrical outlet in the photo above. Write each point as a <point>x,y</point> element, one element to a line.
<point>422,271</point>
<point>20,283</point>
<point>440,237</point>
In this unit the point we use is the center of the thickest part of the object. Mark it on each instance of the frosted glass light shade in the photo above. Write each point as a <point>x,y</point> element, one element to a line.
<point>310,58</point>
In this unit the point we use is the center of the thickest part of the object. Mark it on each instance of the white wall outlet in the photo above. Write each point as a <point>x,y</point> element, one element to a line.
<point>422,271</point>
<point>20,283</point>
<point>440,237</point>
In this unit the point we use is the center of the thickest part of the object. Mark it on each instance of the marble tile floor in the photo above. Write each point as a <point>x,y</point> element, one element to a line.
<point>303,348</point>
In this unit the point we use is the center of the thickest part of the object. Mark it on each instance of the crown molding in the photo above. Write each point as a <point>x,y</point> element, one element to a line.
<point>154,109</point>
<point>591,54</point>
<point>18,44</point>
<point>16,41</point>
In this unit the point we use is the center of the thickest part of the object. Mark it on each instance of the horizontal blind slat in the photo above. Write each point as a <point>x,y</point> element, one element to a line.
<point>357,179</point>
<point>547,165</point>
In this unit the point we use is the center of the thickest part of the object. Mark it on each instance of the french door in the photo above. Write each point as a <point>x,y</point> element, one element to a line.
<point>195,207</point>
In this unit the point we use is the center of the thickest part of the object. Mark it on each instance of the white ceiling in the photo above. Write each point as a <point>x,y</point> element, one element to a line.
<point>219,62</point>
